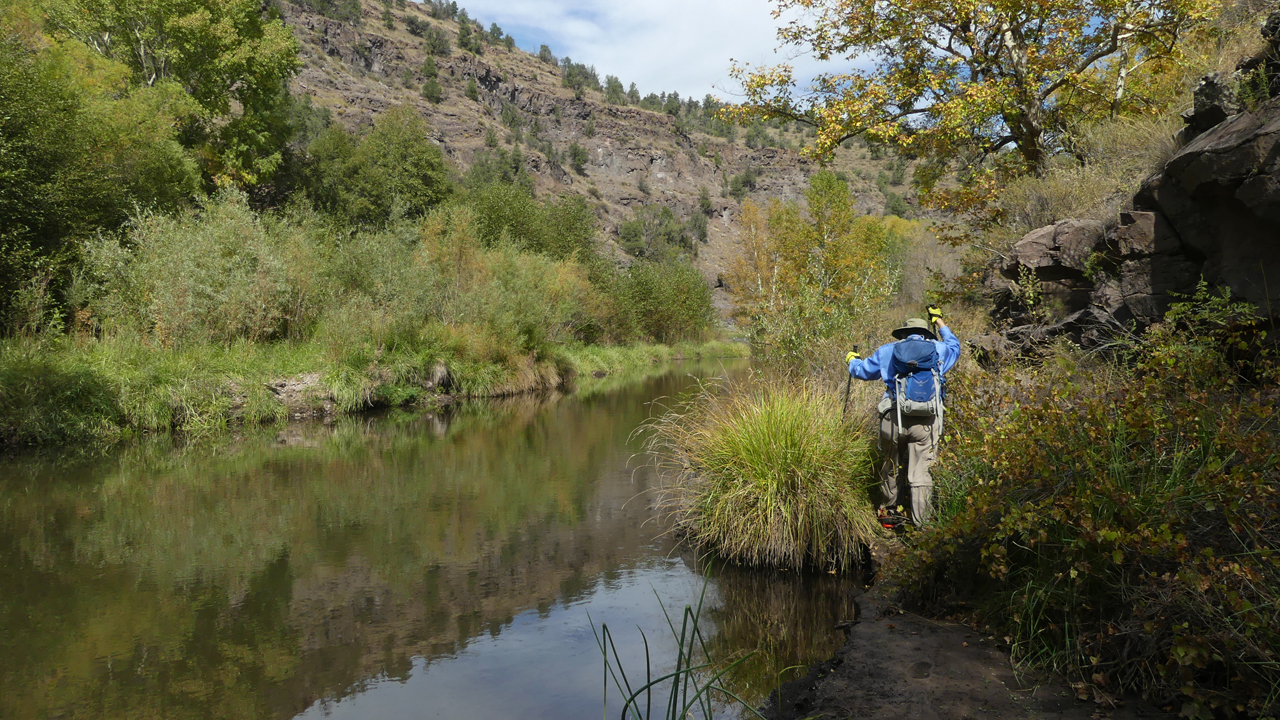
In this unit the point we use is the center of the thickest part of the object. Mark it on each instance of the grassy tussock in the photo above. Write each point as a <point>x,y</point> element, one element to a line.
<point>767,474</point>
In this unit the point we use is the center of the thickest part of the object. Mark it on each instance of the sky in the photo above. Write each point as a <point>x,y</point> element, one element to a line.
<point>661,45</point>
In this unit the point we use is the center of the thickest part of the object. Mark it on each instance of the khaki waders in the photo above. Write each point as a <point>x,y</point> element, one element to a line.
<point>918,442</point>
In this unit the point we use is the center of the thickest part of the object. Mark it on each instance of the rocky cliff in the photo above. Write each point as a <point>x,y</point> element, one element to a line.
<point>636,157</point>
<point>1212,212</point>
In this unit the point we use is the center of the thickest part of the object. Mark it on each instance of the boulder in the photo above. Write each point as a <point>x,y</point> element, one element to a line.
<point>1214,100</point>
<point>1057,252</point>
<point>440,378</point>
<point>1143,234</point>
<point>1221,198</point>
<point>1212,212</point>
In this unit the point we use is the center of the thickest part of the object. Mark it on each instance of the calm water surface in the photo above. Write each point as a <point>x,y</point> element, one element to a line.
<point>404,566</point>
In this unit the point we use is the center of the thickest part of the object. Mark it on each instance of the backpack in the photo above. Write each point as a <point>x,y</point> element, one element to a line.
<point>917,384</point>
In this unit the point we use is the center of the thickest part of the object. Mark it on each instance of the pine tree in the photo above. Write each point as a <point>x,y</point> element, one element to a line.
<point>431,91</point>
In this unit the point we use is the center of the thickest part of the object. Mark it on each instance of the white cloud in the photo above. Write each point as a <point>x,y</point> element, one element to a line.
<point>661,45</point>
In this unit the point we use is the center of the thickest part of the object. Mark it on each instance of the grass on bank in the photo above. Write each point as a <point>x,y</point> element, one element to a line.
<point>182,321</point>
<point>767,474</point>
<point>70,389</point>
<point>1120,523</point>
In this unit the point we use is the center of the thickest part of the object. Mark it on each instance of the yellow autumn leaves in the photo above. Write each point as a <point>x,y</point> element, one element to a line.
<point>801,275</point>
<point>948,79</point>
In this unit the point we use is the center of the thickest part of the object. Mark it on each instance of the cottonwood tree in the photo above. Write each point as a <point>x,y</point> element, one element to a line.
<point>954,78</point>
<point>230,57</point>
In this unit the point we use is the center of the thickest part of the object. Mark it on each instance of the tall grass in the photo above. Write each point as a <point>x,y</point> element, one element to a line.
<point>1111,159</point>
<point>767,474</point>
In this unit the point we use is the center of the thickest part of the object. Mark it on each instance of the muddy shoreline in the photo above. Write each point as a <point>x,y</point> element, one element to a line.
<point>895,665</point>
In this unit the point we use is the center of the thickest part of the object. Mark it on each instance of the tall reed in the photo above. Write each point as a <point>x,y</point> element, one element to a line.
<point>695,685</point>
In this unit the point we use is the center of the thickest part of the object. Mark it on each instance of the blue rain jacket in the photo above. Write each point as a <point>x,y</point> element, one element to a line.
<point>879,364</point>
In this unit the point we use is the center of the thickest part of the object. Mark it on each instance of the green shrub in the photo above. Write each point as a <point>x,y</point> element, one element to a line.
<point>743,183</point>
<point>559,227</point>
<point>81,151</point>
<point>436,42</point>
<point>468,39</point>
<point>432,92</point>
<point>654,233</point>
<point>894,204</point>
<point>1120,523</point>
<point>768,474</point>
<point>665,302</point>
<point>698,227</point>
<point>473,90</point>
<point>214,277</point>
<point>614,93</point>
<point>394,170</point>
<point>579,77</point>
<point>578,157</point>
<point>498,166</point>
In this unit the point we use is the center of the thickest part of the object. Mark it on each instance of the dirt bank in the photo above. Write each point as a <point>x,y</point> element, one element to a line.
<point>902,666</point>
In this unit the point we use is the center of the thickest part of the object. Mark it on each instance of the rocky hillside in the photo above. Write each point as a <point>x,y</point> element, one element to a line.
<point>635,157</point>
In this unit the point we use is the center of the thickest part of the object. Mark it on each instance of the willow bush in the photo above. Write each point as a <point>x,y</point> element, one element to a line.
<point>767,474</point>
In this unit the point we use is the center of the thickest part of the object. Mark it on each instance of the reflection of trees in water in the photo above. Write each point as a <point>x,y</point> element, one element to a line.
<point>248,578</point>
<point>789,619</point>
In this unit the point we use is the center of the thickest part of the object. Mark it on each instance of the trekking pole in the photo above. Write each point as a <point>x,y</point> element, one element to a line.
<point>844,409</point>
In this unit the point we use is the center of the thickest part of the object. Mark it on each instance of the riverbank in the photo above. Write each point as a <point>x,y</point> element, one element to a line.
<point>69,389</point>
<point>896,664</point>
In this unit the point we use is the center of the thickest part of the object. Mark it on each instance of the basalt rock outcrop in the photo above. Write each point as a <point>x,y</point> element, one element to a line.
<point>1212,212</point>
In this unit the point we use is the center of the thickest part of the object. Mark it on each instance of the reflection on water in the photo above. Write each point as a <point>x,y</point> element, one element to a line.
<point>404,566</point>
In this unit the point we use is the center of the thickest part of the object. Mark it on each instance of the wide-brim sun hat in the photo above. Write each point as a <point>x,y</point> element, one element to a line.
<point>914,326</point>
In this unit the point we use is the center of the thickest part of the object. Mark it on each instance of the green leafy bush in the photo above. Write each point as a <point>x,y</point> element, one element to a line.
<point>81,151</point>
<point>655,233</point>
<point>432,92</point>
<point>393,171</point>
<point>190,279</point>
<point>664,301</point>
<point>559,227</point>
<point>498,166</point>
<point>1121,523</point>
<point>578,157</point>
<point>743,183</point>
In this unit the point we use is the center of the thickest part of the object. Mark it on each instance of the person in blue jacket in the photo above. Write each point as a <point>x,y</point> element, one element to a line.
<point>918,437</point>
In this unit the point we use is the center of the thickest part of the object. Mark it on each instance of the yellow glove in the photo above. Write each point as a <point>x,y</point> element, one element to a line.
<point>935,313</point>
<point>853,355</point>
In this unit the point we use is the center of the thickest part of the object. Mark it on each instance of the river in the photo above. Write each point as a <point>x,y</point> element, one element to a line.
<point>405,565</point>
